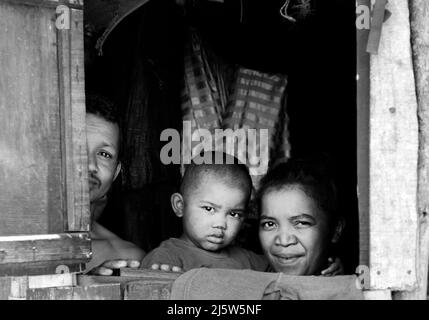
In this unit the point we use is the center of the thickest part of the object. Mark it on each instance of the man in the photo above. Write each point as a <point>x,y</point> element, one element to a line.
<point>103,145</point>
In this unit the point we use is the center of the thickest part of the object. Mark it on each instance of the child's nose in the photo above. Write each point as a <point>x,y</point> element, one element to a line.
<point>220,222</point>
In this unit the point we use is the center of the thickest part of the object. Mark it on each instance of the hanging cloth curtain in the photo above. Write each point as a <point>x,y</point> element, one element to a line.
<point>256,100</point>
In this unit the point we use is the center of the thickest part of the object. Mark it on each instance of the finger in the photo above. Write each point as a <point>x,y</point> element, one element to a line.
<point>165,267</point>
<point>328,270</point>
<point>115,264</point>
<point>133,263</point>
<point>176,269</point>
<point>155,266</point>
<point>102,271</point>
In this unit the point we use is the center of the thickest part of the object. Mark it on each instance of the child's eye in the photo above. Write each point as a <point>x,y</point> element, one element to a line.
<point>208,209</point>
<point>267,225</point>
<point>235,214</point>
<point>105,154</point>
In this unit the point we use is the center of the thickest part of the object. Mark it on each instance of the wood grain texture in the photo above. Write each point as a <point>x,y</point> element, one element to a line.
<point>93,292</point>
<point>148,274</point>
<point>393,157</point>
<point>72,101</point>
<point>363,140</point>
<point>40,267</point>
<point>30,149</point>
<point>75,4</point>
<point>148,290</point>
<point>420,44</point>
<point>76,247</point>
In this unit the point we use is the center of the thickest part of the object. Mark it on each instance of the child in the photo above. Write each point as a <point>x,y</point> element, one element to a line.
<point>212,203</point>
<point>299,220</point>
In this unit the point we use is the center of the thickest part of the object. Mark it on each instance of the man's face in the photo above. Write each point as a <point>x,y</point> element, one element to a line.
<point>294,233</point>
<point>213,214</point>
<point>103,148</point>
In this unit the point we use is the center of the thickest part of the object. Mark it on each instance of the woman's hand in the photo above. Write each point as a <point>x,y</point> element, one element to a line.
<point>335,268</point>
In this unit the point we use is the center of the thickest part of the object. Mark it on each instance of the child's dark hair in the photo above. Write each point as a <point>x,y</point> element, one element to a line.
<point>230,170</point>
<point>312,176</point>
<point>103,107</point>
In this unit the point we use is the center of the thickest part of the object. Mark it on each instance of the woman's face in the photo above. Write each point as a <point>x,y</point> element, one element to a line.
<point>294,233</point>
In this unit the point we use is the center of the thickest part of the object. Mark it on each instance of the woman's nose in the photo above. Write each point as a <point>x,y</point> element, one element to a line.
<point>285,238</point>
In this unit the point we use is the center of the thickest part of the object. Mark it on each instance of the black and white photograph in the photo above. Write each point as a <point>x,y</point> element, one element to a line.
<point>211,155</point>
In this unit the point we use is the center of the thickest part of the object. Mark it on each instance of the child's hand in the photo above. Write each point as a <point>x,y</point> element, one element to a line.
<point>335,268</point>
<point>106,269</point>
<point>166,267</point>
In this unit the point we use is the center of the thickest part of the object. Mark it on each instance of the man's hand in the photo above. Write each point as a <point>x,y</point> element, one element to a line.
<point>335,268</point>
<point>166,267</point>
<point>107,268</point>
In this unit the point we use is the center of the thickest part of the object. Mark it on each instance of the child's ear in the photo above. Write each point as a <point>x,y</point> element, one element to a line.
<point>177,204</point>
<point>338,230</point>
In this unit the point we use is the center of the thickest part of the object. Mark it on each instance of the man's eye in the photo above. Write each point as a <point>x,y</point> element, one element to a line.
<point>267,225</point>
<point>208,209</point>
<point>105,155</point>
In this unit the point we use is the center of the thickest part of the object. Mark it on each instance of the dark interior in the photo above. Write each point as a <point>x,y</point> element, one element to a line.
<point>142,62</point>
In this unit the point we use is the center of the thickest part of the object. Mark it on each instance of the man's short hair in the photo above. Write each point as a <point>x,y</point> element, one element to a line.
<point>103,107</point>
<point>233,173</point>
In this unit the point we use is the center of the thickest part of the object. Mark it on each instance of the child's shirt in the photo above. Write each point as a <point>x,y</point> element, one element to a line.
<point>180,253</point>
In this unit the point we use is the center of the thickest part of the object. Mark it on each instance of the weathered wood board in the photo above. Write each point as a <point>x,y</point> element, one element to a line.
<point>43,168</point>
<point>393,157</point>
<point>51,247</point>
<point>30,143</point>
<point>362,78</point>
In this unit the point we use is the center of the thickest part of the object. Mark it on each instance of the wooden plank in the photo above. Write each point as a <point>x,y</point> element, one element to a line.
<point>376,26</point>
<point>393,157</point>
<point>377,295</point>
<point>13,288</point>
<point>93,292</point>
<point>41,267</point>
<point>148,290</point>
<point>363,136</point>
<point>30,157</point>
<point>148,274</point>
<point>76,4</point>
<point>51,280</point>
<point>420,45</point>
<point>73,84</point>
<point>16,249</point>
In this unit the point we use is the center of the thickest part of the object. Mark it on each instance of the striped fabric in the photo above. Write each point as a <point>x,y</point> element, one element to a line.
<point>256,101</point>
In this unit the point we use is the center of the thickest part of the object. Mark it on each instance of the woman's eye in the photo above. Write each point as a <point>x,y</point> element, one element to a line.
<point>105,155</point>
<point>268,225</point>
<point>208,209</point>
<point>302,223</point>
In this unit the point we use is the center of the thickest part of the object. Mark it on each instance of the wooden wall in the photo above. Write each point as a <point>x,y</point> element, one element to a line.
<point>393,147</point>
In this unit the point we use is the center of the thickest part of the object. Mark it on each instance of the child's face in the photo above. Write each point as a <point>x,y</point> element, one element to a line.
<point>103,146</point>
<point>213,214</point>
<point>294,233</point>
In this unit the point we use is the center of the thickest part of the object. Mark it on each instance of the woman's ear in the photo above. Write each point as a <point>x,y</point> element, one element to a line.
<point>118,169</point>
<point>338,230</point>
<point>177,204</point>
